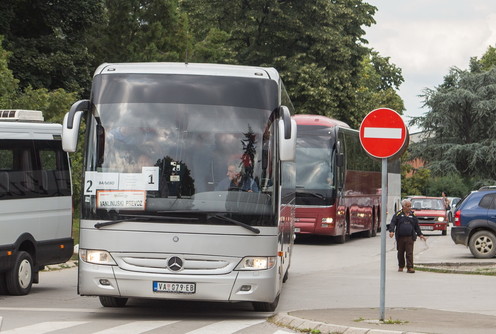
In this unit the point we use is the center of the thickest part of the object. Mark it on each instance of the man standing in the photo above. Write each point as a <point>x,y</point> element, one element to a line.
<point>405,225</point>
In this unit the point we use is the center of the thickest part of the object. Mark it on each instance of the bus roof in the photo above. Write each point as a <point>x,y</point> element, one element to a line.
<point>190,69</point>
<point>320,120</point>
<point>25,130</point>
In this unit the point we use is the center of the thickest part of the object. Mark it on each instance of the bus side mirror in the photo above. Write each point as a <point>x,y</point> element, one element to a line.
<point>72,121</point>
<point>287,146</point>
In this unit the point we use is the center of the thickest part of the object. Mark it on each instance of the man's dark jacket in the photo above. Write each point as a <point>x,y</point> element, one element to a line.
<point>404,225</point>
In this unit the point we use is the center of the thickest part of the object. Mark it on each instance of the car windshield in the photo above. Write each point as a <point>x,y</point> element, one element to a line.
<point>182,152</point>
<point>428,204</point>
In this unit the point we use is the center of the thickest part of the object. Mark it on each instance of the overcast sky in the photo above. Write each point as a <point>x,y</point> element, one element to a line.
<point>425,38</point>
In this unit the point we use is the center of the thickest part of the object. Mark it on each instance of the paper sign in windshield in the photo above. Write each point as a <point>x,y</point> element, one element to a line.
<point>146,180</point>
<point>121,199</point>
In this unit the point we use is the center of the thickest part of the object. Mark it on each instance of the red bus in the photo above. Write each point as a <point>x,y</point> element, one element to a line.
<point>338,186</point>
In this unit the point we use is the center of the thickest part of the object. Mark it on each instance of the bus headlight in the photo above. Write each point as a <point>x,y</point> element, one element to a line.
<point>256,263</point>
<point>96,256</point>
<point>440,219</point>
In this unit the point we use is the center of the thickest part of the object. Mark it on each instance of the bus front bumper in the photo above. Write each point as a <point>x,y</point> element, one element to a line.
<point>236,286</point>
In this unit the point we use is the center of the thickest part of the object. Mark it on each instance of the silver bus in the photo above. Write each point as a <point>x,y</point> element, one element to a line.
<point>35,199</point>
<point>189,183</point>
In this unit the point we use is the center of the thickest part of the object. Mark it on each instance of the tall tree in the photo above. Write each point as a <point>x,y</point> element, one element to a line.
<point>53,103</point>
<point>378,84</point>
<point>47,39</point>
<point>460,125</point>
<point>141,30</point>
<point>317,46</point>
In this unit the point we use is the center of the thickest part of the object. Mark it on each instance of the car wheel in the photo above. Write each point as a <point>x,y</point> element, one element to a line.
<point>19,279</point>
<point>482,244</point>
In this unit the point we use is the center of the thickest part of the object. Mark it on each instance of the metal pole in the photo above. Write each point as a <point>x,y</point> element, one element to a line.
<point>384,193</point>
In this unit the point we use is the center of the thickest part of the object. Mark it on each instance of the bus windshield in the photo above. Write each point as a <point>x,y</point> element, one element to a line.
<point>179,145</point>
<point>315,165</point>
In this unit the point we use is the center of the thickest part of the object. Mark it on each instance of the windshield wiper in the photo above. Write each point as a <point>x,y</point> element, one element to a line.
<point>237,222</point>
<point>142,218</point>
<point>320,196</point>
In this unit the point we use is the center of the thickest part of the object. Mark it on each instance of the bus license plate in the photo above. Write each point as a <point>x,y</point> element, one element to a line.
<point>174,287</point>
<point>426,228</point>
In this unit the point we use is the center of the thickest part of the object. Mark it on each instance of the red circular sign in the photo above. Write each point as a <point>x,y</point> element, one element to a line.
<point>383,133</point>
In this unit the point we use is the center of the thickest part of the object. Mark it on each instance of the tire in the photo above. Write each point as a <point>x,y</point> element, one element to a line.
<point>341,239</point>
<point>375,228</point>
<point>445,232</point>
<point>286,276</point>
<point>482,244</point>
<point>113,301</point>
<point>3,285</point>
<point>266,307</point>
<point>19,279</point>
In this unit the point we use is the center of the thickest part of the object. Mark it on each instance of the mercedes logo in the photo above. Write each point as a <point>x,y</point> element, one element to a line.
<point>175,263</point>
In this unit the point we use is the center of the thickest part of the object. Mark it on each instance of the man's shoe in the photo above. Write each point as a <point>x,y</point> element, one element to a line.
<point>400,269</point>
<point>410,270</point>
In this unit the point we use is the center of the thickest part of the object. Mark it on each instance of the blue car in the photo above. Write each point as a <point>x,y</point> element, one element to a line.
<point>474,223</point>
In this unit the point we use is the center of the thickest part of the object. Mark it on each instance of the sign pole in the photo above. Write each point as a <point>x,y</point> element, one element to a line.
<point>383,135</point>
<point>384,192</point>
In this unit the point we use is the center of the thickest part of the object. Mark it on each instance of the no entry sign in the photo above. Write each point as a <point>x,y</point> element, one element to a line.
<point>383,133</point>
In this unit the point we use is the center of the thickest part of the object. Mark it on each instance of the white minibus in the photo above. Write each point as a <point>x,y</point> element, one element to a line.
<point>35,199</point>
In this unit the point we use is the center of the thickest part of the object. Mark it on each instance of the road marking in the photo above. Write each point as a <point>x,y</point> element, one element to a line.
<point>226,327</point>
<point>136,327</point>
<point>41,309</point>
<point>384,133</point>
<point>44,327</point>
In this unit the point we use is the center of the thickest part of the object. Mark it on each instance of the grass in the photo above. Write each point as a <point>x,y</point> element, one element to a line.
<point>480,270</point>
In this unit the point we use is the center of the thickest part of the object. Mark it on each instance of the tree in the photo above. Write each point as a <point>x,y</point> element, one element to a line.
<point>460,125</point>
<point>47,40</point>
<point>378,83</point>
<point>54,105</point>
<point>140,30</point>
<point>317,47</point>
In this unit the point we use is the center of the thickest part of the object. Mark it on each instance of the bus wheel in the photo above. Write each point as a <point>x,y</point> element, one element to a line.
<point>341,239</point>
<point>266,307</point>
<point>375,225</point>
<point>113,301</point>
<point>19,279</point>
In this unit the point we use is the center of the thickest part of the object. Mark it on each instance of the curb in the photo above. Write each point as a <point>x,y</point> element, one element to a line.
<point>307,326</point>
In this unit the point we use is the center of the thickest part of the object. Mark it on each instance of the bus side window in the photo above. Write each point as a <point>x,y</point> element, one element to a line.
<point>6,165</point>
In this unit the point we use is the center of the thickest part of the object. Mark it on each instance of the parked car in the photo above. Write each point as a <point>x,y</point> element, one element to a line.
<point>474,223</point>
<point>453,202</point>
<point>431,213</point>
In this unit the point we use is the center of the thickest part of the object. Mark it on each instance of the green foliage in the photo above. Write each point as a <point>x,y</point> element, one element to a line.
<point>378,83</point>
<point>132,30</point>
<point>460,125</point>
<point>47,41</point>
<point>54,105</point>
<point>453,185</point>
<point>416,184</point>
<point>8,84</point>
<point>317,47</point>
<point>488,60</point>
